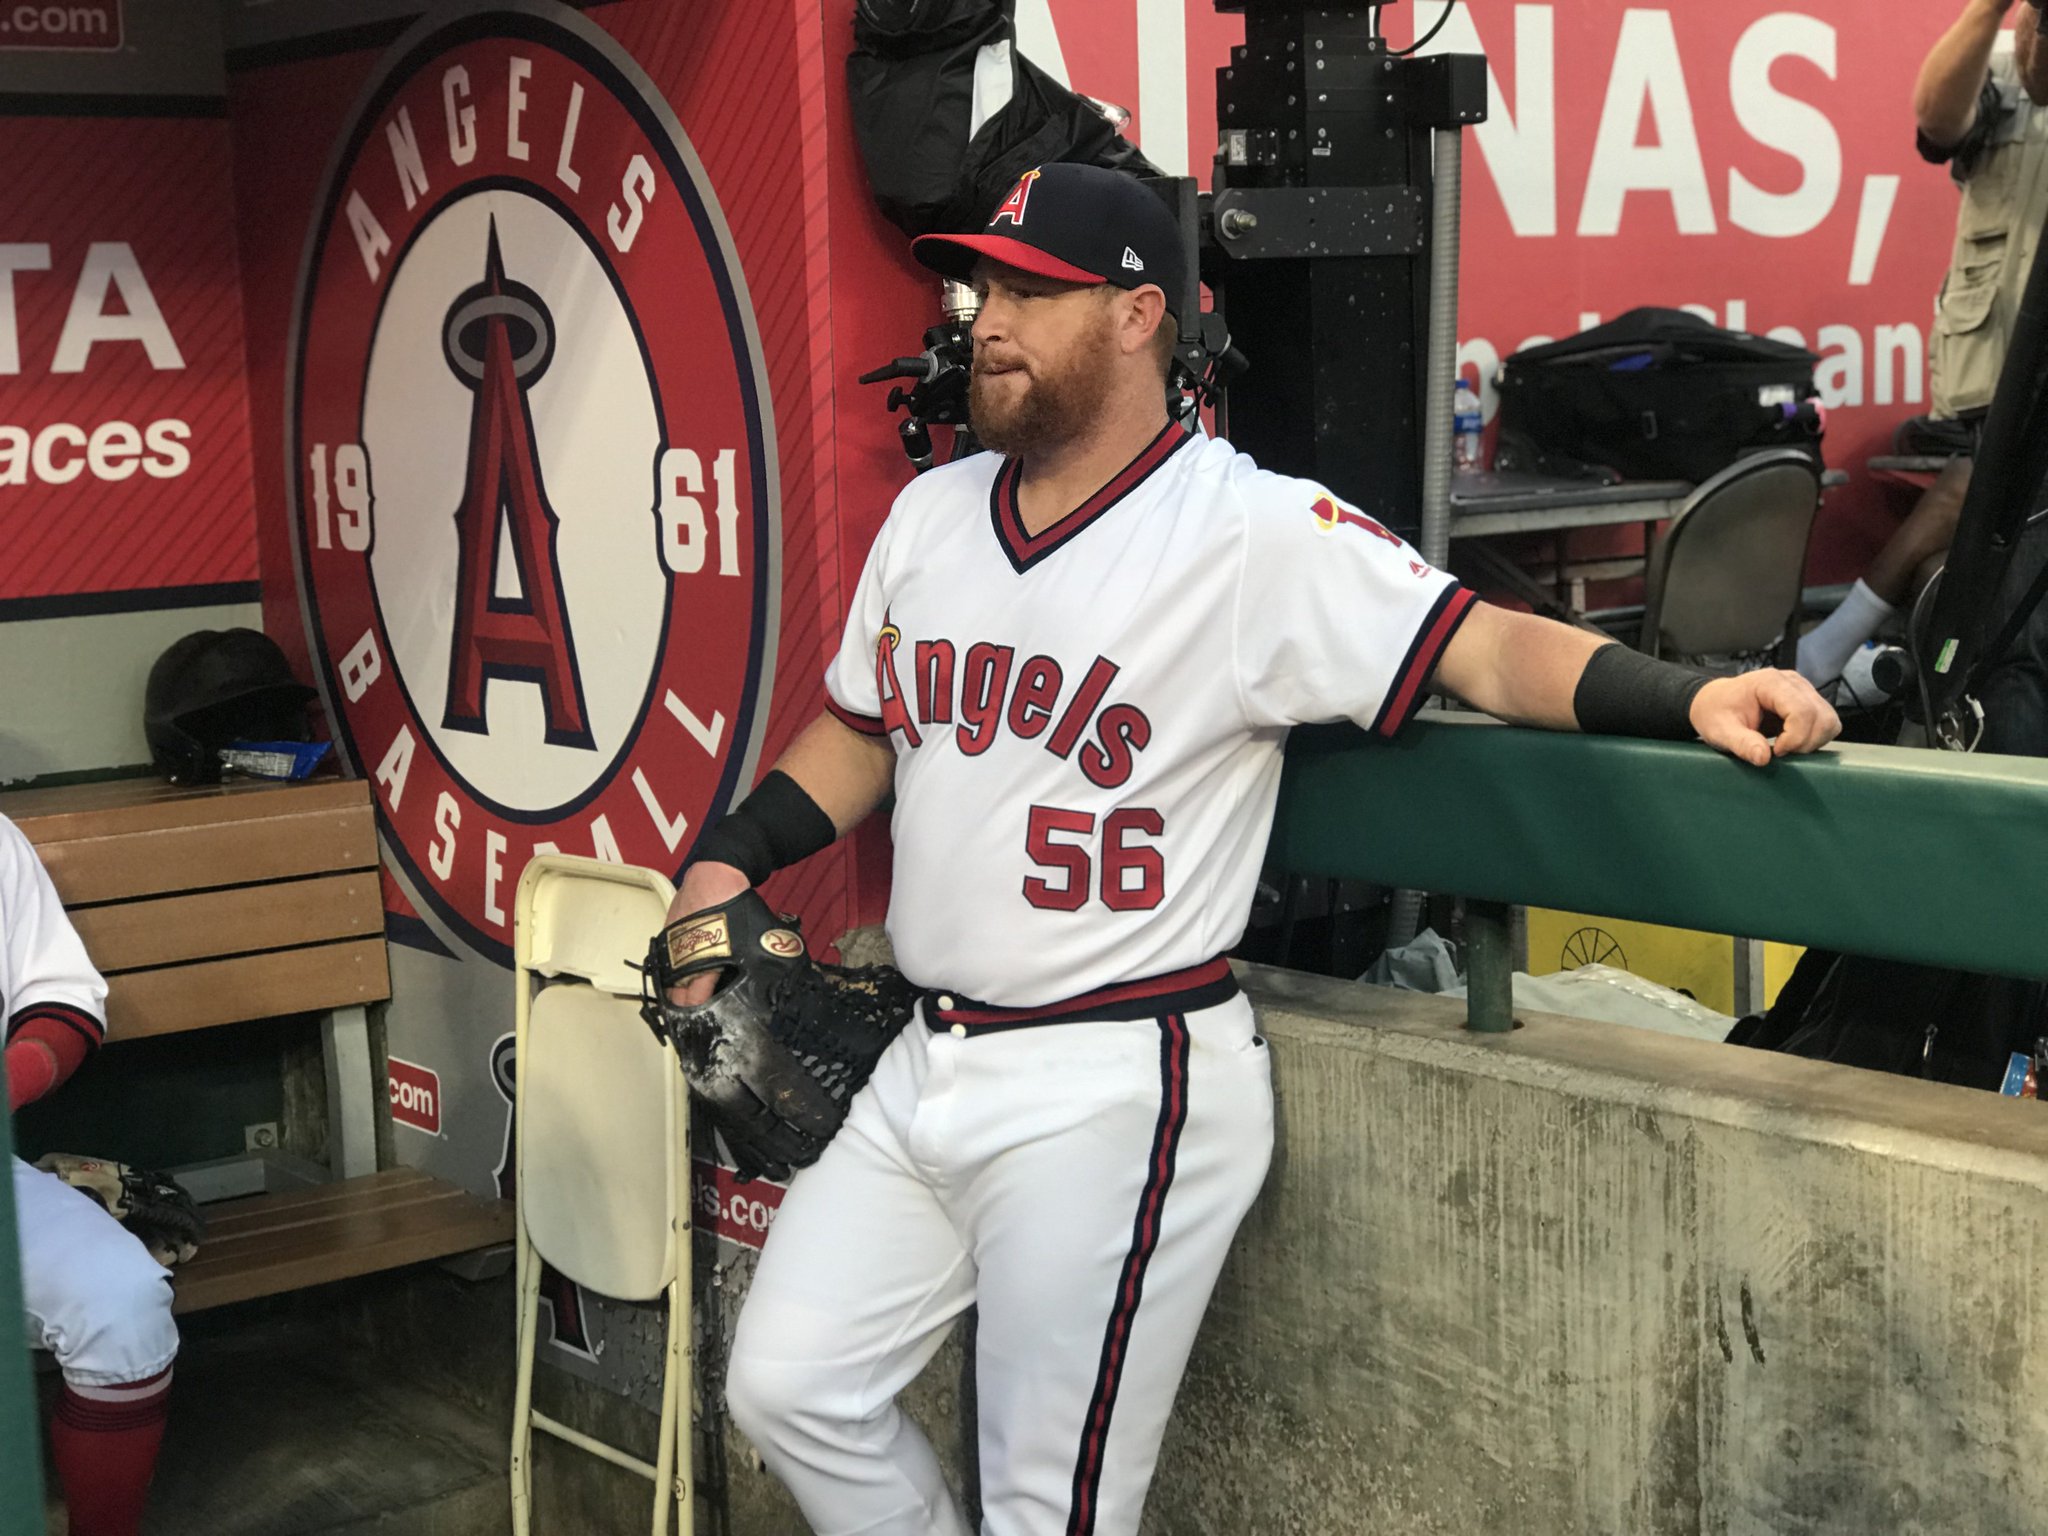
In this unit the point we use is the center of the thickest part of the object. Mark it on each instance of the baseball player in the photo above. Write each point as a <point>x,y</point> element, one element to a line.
<point>1075,660</point>
<point>95,1298</point>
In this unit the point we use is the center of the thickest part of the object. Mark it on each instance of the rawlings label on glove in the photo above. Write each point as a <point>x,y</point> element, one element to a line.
<point>154,1206</point>
<point>780,1049</point>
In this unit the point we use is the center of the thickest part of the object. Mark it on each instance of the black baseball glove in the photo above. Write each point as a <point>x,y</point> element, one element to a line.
<point>780,1049</point>
<point>154,1206</point>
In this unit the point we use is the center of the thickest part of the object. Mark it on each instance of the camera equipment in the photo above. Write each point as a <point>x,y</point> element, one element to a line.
<point>941,371</point>
<point>1330,238</point>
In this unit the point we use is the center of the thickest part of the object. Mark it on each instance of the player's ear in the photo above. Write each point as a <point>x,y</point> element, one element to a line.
<point>1144,310</point>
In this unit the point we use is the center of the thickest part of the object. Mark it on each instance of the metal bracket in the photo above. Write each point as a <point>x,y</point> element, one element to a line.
<point>1281,223</point>
<point>352,1091</point>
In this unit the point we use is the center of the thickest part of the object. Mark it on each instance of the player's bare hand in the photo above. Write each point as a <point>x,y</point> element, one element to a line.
<point>1757,716</point>
<point>704,885</point>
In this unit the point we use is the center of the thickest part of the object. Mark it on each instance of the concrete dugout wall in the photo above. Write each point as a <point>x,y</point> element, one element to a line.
<point>1590,1280</point>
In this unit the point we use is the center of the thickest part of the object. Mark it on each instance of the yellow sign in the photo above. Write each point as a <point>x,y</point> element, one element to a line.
<point>1702,964</point>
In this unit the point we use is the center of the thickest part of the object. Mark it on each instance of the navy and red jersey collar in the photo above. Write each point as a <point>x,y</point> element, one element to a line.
<point>1026,550</point>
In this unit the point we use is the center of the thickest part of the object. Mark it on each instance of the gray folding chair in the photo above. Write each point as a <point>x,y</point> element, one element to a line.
<point>1724,581</point>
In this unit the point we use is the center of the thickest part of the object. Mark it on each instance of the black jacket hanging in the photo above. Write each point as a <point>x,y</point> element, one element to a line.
<point>911,81</point>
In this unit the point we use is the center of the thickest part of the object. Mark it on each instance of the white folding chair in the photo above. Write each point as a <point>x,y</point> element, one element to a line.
<point>602,1144</point>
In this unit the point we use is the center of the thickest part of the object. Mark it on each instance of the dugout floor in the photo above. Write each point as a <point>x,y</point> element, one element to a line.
<point>283,1425</point>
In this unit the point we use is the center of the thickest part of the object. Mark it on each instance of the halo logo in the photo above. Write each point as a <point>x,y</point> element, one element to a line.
<point>533,474</point>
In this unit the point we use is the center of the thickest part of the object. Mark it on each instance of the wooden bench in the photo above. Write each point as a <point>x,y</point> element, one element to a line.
<point>256,901</point>
<point>282,1242</point>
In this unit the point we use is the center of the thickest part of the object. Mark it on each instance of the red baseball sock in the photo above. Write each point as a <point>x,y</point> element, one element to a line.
<point>104,1441</point>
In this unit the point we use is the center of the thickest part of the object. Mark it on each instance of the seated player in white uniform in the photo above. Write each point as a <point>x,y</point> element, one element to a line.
<point>1075,660</point>
<point>94,1297</point>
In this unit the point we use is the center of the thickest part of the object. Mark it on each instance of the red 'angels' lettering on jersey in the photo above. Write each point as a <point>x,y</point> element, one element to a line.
<point>894,716</point>
<point>1013,205</point>
<point>985,691</point>
<point>1331,514</point>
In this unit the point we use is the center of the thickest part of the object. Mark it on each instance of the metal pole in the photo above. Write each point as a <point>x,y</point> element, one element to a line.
<point>1405,920</point>
<point>1489,968</point>
<point>1437,425</point>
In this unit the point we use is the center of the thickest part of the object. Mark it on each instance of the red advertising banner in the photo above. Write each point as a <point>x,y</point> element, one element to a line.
<point>124,435</point>
<point>93,26</point>
<point>736,1212</point>
<point>415,1096</point>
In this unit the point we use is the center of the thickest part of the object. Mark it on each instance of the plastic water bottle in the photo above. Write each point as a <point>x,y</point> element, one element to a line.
<point>1465,426</point>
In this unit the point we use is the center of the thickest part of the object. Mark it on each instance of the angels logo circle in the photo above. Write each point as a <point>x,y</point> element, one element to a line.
<point>531,465</point>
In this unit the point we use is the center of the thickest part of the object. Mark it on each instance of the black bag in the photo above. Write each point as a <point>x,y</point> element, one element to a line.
<point>1890,1016</point>
<point>911,80</point>
<point>1656,394</point>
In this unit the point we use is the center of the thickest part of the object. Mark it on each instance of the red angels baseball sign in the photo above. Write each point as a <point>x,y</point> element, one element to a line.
<point>531,463</point>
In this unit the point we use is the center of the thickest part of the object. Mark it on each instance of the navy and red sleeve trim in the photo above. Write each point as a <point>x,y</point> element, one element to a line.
<point>89,1031</point>
<point>1411,680</point>
<point>867,725</point>
<point>70,1034</point>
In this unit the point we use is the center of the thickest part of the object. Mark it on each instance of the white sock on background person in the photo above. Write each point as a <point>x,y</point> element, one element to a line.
<point>1826,649</point>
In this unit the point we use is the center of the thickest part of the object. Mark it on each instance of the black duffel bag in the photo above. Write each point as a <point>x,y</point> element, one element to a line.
<point>1656,394</point>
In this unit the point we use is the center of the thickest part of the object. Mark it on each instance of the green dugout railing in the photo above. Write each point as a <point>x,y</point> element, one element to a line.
<point>1908,855</point>
<point>21,1468</point>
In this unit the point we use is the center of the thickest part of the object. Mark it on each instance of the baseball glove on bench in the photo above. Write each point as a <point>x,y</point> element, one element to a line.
<point>154,1206</point>
<point>780,1049</point>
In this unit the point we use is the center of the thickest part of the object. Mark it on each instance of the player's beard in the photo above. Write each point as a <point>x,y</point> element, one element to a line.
<point>1061,400</point>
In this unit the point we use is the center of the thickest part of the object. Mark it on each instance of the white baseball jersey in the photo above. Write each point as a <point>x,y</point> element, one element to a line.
<point>1089,723</point>
<point>43,967</point>
<point>92,1294</point>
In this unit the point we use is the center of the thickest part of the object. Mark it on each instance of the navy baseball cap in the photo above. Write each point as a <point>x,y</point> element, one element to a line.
<point>1076,223</point>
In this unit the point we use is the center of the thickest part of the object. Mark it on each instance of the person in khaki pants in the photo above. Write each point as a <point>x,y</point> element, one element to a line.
<point>1979,107</point>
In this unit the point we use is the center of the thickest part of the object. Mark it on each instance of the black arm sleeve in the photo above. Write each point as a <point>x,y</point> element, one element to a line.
<point>774,827</point>
<point>1625,693</point>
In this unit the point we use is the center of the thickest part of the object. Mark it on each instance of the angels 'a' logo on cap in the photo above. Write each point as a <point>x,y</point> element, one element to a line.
<point>1013,205</point>
<point>533,496</point>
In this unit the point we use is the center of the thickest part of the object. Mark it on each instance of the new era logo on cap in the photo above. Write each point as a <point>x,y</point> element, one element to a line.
<point>1075,223</point>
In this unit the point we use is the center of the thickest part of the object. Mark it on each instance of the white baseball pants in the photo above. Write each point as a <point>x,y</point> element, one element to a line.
<point>1080,1182</point>
<point>94,1297</point>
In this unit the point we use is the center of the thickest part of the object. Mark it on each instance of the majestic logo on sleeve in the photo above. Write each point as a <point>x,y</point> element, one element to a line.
<point>531,469</point>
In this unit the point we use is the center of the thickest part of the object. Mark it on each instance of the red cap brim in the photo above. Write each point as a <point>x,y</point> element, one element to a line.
<point>954,255</point>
